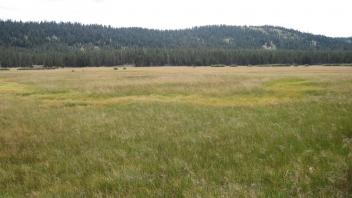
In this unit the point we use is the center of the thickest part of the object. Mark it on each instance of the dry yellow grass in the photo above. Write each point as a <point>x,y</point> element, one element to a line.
<point>167,84</point>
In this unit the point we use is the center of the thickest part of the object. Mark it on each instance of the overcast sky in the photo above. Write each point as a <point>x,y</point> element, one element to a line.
<point>327,17</point>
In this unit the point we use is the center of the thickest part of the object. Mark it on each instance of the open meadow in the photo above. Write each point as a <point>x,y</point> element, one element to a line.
<point>176,132</point>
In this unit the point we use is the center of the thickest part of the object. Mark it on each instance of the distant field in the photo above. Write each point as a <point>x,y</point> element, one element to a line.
<point>176,132</point>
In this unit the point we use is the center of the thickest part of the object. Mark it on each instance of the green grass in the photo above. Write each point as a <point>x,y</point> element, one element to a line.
<point>176,132</point>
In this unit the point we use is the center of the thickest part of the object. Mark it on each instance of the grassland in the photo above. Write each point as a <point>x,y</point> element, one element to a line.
<point>176,132</point>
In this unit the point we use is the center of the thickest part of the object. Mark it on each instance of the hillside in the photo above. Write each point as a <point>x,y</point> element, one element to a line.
<point>29,35</point>
<point>73,44</point>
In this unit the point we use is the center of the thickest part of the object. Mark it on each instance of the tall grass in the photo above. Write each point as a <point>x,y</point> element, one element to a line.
<point>176,132</point>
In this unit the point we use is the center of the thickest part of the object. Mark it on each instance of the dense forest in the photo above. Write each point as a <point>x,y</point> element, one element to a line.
<point>73,44</point>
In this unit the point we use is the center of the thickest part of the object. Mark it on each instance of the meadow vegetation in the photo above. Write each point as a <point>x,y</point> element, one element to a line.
<point>176,132</point>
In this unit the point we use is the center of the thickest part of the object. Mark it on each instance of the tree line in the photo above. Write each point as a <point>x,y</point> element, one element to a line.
<point>159,57</point>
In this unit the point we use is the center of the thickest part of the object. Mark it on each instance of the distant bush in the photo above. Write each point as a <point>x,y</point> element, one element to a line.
<point>218,65</point>
<point>337,64</point>
<point>281,65</point>
<point>35,68</point>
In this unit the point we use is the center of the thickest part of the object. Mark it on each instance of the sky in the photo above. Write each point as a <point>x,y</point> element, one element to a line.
<point>326,17</point>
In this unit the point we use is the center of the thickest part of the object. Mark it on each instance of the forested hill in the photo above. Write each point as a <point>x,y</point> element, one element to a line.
<point>34,35</point>
<point>74,44</point>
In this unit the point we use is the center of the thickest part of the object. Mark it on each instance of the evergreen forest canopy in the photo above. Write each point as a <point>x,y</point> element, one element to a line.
<point>25,44</point>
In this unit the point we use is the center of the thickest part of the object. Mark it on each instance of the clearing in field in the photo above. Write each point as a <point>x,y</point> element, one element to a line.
<point>176,132</point>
